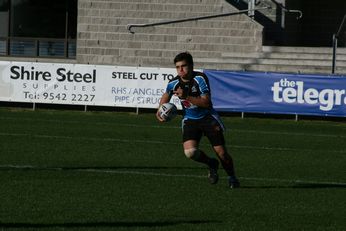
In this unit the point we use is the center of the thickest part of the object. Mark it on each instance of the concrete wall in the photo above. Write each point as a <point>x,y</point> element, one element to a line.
<point>103,37</point>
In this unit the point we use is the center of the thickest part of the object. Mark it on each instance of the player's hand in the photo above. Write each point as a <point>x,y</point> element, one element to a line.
<point>159,117</point>
<point>180,93</point>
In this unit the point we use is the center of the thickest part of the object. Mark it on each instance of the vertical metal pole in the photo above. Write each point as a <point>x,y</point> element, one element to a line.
<point>8,46</point>
<point>251,7</point>
<point>85,108</point>
<point>9,28</point>
<point>137,110</point>
<point>335,44</point>
<point>66,30</point>
<point>242,115</point>
<point>34,106</point>
<point>283,13</point>
<point>37,47</point>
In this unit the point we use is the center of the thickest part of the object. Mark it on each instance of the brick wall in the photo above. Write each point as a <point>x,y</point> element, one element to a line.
<point>103,37</point>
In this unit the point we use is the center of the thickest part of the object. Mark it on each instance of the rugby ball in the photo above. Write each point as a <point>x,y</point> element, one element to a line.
<point>168,111</point>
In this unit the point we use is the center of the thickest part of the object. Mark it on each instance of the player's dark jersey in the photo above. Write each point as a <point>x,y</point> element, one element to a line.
<point>197,86</point>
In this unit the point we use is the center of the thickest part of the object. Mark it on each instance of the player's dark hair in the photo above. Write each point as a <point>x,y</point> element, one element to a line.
<point>184,56</point>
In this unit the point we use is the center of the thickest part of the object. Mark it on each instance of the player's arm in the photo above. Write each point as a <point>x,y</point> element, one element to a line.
<point>164,99</point>
<point>200,101</point>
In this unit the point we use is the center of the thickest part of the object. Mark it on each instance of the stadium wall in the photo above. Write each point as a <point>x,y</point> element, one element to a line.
<point>103,37</point>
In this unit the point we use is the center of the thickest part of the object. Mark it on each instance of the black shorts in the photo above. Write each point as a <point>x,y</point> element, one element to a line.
<point>208,126</point>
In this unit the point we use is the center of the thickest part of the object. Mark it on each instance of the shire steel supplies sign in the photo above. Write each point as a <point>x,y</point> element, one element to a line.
<point>278,93</point>
<point>83,84</point>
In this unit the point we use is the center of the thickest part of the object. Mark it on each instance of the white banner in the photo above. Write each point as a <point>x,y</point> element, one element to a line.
<point>98,85</point>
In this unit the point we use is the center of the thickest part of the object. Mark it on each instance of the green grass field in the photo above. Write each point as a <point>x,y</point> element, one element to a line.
<point>71,170</point>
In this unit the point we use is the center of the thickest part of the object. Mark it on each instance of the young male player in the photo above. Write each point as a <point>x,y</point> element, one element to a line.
<point>200,118</point>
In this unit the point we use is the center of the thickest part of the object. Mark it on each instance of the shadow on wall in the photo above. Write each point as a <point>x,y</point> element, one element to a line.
<point>320,21</point>
<point>271,21</point>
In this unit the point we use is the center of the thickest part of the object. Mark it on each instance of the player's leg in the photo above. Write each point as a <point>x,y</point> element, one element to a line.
<point>191,137</point>
<point>227,164</point>
<point>192,151</point>
<point>225,158</point>
<point>213,129</point>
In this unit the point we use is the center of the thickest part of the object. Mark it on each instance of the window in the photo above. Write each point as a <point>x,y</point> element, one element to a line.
<point>44,28</point>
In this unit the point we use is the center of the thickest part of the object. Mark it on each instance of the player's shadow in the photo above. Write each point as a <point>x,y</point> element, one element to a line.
<point>120,224</point>
<point>297,186</point>
<point>318,185</point>
<point>132,167</point>
<point>43,168</point>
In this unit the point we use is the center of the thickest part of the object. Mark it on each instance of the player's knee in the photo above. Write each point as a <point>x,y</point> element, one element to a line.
<point>221,152</point>
<point>192,153</point>
<point>224,156</point>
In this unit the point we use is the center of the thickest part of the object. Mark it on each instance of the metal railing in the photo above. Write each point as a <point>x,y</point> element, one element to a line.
<point>280,5</point>
<point>335,43</point>
<point>37,47</point>
<point>252,3</point>
<point>130,26</point>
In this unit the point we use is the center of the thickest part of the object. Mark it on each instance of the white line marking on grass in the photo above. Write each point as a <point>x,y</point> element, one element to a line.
<point>93,123</point>
<point>147,173</point>
<point>289,133</point>
<point>163,142</point>
<point>88,138</point>
<point>200,176</point>
<point>178,127</point>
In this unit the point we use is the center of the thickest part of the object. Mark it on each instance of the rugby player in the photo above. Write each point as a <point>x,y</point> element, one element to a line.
<point>199,118</point>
